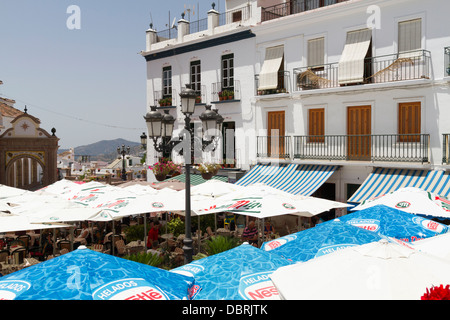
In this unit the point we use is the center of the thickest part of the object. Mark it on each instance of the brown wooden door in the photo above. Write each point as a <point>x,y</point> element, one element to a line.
<point>359,130</point>
<point>275,134</point>
<point>409,122</point>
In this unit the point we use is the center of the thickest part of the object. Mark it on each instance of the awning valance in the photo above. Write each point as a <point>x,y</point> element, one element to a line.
<point>351,64</point>
<point>268,77</point>
<point>385,180</point>
<point>293,178</point>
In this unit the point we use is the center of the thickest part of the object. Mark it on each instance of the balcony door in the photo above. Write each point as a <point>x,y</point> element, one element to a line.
<point>275,134</point>
<point>358,131</point>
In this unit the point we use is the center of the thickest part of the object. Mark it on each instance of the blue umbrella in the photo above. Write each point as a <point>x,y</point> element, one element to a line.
<point>241,273</point>
<point>395,223</point>
<point>84,274</point>
<point>320,240</point>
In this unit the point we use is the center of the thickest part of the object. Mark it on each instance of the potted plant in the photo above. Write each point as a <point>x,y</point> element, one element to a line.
<point>198,99</point>
<point>220,95</point>
<point>174,169</point>
<point>230,94</point>
<point>208,170</point>
<point>160,170</point>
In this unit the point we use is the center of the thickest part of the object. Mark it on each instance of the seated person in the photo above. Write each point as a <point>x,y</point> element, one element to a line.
<point>155,249</point>
<point>251,234</point>
<point>83,237</point>
<point>268,228</point>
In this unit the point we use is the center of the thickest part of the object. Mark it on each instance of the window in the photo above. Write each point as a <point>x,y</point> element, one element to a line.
<point>271,75</point>
<point>316,125</point>
<point>356,50</point>
<point>316,52</point>
<point>409,121</point>
<point>237,16</point>
<point>228,72</point>
<point>167,82</point>
<point>409,36</point>
<point>196,76</point>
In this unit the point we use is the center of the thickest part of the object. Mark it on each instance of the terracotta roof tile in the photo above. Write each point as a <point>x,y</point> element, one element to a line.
<point>8,111</point>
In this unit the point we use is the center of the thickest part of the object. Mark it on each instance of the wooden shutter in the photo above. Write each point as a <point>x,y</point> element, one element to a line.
<point>316,125</point>
<point>275,121</point>
<point>409,121</point>
<point>359,130</point>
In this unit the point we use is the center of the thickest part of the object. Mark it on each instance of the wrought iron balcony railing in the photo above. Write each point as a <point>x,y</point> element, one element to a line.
<point>446,148</point>
<point>376,147</point>
<point>273,147</point>
<point>284,84</point>
<point>220,92</point>
<point>388,68</point>
<point>293,7</point>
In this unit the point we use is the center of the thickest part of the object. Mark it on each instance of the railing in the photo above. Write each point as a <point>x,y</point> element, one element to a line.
<point>446,148</point>
<point>273,147</point>
<point>388,68</point>
<point>447,61</point>
<point>168,100</point>
<point>167,34</point>
<point>220,93</point>
<point>235,15</point>
<point>377,147</point>
<point>198,25</point>
<point>284,84</point>
<point>292,7</point>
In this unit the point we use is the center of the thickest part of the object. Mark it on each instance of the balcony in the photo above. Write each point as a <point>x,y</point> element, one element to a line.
<point>373,148</point>
<point>273,147</point>
<point>382,69</point>
<point>224,93</point>
<point>164,99</point>
<point>284,84</point>
<point>447,61</point>
<point>293,7</point>
<point>446,148</point>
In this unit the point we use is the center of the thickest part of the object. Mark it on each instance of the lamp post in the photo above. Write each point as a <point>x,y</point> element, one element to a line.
<point>160,127</point>
<point>124,151</point>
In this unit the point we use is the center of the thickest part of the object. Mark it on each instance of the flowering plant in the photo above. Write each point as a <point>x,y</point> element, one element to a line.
<point>437,293</point>
<point>208,168</point>
<point>165,168</point>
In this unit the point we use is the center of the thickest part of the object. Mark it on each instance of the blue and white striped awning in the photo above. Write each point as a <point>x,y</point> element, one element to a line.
<point>384,180</point>
<point>293,178</point>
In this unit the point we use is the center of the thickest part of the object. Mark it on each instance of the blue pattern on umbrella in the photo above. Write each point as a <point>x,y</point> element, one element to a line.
<point>241,273</point>
<point>395,223</point>
<point>322,239</point>
<point>84,274</point>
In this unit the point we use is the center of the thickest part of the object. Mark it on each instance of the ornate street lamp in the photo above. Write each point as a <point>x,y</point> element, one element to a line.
<point>144,140</point>
<point>161,127</point>
<point>123,152</point>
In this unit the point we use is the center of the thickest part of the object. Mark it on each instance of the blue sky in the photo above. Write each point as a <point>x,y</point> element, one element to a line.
<point>88,83</point>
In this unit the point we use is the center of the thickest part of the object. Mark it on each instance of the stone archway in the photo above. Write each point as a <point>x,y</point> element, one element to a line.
<point>25,172</point>
<point>28,154</point>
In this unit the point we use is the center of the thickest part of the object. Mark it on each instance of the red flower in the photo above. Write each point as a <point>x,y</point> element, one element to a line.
<point>437,293</point>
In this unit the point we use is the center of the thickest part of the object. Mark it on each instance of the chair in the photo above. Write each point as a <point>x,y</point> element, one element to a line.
<point>120,246</point>
<point>26,239</point>
<point>64,244</point>
<point>4,255</point>
<point>98,247</point>
<point>19,255</point>
<point>117,237</point>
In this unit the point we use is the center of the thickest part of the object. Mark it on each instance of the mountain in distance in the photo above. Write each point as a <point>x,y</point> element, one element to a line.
<point>106,150</point>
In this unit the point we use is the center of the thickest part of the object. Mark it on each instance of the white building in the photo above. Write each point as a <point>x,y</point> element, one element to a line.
<point>348,98</point>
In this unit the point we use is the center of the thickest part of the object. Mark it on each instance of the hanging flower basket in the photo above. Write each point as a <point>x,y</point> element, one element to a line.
<point>207,175</point>
<point>160,177</point>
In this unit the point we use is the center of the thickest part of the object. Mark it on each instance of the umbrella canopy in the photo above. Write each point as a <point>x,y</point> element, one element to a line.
<point>172,184</point>
<point>395,223</point>
<point>84,274</point>
<point>412,200</point>
<point>12,223</point>
<point>214,188</point>
<point>322,239</point>
<point>379,270</point>
<point>263,201</point>
<point>48,208</point>
<point>7,192</point>
<point>438,245</point>
<point>241,273</point>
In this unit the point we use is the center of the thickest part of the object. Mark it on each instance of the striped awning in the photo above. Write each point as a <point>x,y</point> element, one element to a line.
<point>196,179</point>
<point>293,178</point>
<point>384,180</point>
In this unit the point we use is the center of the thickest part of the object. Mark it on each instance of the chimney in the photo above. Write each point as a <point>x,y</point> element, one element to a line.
<point>151,37</point>
<point>183,28</point>
<point>213,18</point>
